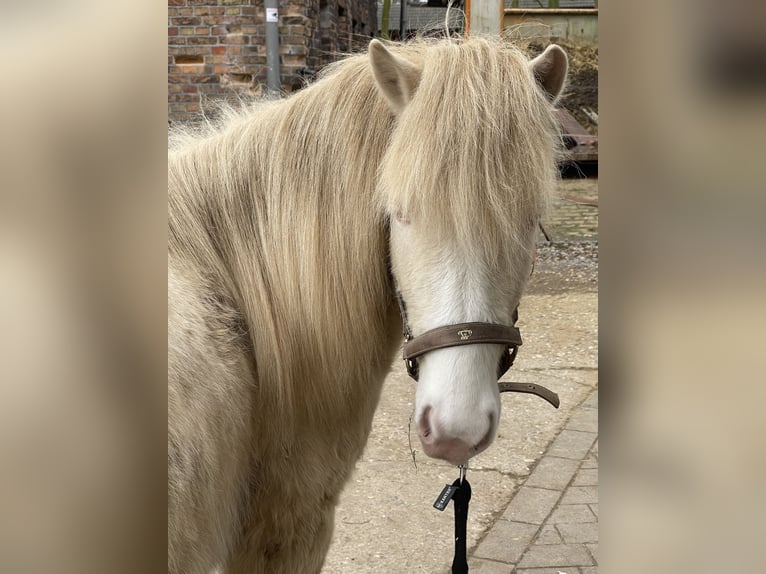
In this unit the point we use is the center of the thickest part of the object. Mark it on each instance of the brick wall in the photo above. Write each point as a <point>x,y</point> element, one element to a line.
<point>217,48</point>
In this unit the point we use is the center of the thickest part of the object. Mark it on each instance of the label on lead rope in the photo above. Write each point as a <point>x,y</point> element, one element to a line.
<point>445,496</point>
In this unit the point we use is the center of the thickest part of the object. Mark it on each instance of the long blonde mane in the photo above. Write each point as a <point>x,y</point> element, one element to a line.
<point>280,213</point>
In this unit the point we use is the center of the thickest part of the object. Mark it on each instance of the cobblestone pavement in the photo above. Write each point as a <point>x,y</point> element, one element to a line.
<point>551,524</point>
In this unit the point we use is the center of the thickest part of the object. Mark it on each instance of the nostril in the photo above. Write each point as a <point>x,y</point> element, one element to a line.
<point>424,426</point>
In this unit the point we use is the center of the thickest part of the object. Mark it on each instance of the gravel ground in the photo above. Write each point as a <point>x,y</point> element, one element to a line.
<point>565,266</point>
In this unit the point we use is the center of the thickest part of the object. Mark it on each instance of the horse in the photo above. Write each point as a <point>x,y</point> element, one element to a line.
<point>421,169</point>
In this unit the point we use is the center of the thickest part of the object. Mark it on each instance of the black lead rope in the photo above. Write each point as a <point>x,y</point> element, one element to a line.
<point>461,498</point>
<point>460,493</point>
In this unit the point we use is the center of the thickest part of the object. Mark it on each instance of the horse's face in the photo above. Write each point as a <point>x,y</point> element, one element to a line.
<point>443,280</point>
<point>457,401</point>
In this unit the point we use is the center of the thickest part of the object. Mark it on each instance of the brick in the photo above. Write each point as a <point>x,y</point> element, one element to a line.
<point>554,473</point>
<point>232,11</point>
<point>556,555</point>
<point>173,31</point>
<point>178,78</point>
<point>295,20</point>
<point>219,50</point>
<point>187,31</point>
<point>236,39</point>
<point>572,513</point>
<point>572,444</point>
<point>203,78</point>
<point>293,50</point>
<point>578,533</point>
<point>186,21</point>
<point>531,505</point>
<point>506,541</point>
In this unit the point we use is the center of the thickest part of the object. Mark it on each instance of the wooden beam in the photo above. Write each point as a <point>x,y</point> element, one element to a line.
<point>484,17</point>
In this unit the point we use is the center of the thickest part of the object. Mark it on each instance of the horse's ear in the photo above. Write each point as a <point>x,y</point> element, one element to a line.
<point>396,77</point>
<point>550,70</point>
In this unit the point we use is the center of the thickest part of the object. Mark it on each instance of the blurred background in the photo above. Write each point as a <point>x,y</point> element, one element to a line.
<point>84,114</point>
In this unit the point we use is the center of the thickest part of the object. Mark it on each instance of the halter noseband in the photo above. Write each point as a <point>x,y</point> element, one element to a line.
<point>458,335</point>
<point>473,333</point>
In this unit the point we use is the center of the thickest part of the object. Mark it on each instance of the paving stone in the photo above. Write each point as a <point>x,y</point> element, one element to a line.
<point>579,533</point>
<point>593,549</point>
<point>594,509</point>
<point>552,472</point>
<point>572,444</point>
<point>589,570</point>
<point>506,541</point>
<point>580,495</point>
<point>549,535</point>
<point>590,462</point>
<point>531,505</point>
<point>584,420</point>
<point>488,567</point>
<point>586,477</point>
<point>558,555</point>
<point>572,514</point>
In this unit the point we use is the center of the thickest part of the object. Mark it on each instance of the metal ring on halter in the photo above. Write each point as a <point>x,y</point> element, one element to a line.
<point>462,470</point>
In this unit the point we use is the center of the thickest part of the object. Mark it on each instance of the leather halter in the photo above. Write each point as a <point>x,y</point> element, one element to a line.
<point>472,333</point>
<point>457,335</point>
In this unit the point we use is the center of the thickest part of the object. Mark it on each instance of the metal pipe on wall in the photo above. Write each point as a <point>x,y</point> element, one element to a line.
<point>273,75</point>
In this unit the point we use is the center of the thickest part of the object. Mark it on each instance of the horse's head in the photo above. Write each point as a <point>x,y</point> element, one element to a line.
<point>464,182</point>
